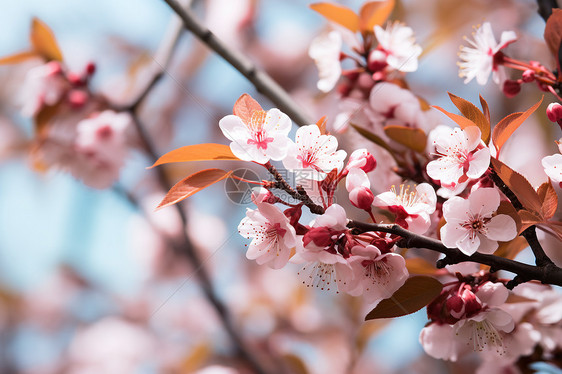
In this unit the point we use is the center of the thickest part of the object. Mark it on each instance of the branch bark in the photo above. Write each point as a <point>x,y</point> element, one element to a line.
<point>548,274</point>
<point>261,80</point>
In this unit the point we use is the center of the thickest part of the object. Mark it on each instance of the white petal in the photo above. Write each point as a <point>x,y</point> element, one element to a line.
<point>479,163</point>
<point>484,201</point>
<point>501,227</point>
<point>469,244</point>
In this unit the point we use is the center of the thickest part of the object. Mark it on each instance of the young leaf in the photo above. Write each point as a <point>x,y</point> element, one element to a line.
<point>414,139</point>
<point>244,107</point>
<point>505,128</point>
<point>549,199</point>
<point>197,152</point>
<point>339,14</point>
<point>520,186</point>
<point>43,41</point>
<point>463,122</point>
<point>553,31</point>
<point>528,219</point>
<point>474,114</point>
<point>192,184</point>
<point>374,13</point>
<point>417,292</point>
<point>16,58</point>
<point>322,125</point>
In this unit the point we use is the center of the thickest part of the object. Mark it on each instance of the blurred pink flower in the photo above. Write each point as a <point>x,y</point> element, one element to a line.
<point>325,51</point>
<point>397,46</point>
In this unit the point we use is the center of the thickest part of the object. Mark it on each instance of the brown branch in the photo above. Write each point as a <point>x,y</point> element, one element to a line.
<point>186,247</point>
<point>260,79</point>
<point>300,195</point>
<point>548,274</point>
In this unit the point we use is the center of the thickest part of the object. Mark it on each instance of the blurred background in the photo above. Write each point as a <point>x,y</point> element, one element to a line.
<point>90,281</point>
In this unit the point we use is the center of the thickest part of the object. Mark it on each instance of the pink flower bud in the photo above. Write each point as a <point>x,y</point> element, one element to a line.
<point>54,68</point>
<point>377,60</point>
<point>263,195</point>
<point>74,79</point>
<point>365,81</point>
<point>320,236</point>
<point>528,76</point>
<point>361,159</point>
<point>77,98</point>
<point>511,88</point>
<point>90,68</point>
<point>554,113</point>
<point>361,197</point>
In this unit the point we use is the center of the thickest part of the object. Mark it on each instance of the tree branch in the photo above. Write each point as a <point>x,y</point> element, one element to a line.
<point>548,274</point>
<point>186,247</point>
<point>261,80</point>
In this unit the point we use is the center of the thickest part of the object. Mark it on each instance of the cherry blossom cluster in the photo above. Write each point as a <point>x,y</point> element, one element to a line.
<point>76,131</point>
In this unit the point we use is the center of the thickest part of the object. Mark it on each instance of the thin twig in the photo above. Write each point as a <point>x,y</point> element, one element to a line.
<point>261,80</point>
<point>548,274</point>
<point>186,248</point>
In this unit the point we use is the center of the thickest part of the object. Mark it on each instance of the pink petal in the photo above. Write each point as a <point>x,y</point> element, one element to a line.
<point>501,227</point>
<point>479,163</point>
<point>484,201</point>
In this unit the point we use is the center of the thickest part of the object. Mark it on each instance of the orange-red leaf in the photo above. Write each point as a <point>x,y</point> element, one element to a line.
<point>322,125</point>
<point>463,122</point>
<point>412,138</point>
<point>339,14</point>
<point>511,248</point>
<point>474,114</point>
<point>520,186</point>
<point>505,128</point>
<point>374,13</point>
<point>416,293</point>
<point>528,219</point>
<point>16,58</point>
<point>43,41</point>
<point>245,106</point>
<point>553,31</point>
<point>192,184</point>
<point>197,152</point>
<point>549,199</point>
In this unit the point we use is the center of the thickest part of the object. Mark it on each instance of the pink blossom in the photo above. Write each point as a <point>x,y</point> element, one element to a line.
<point>377,275</point>
<point>471,225</point>
<point>326,248</point>
<point>483,55</point>
<point>273,238</point>
<point>358,185</point>
<point>412,208</point>
<point>325,51</point>
<point>553,167</point>
<point>262,139</point>
<point>43,85</point>
<point>314,153</point>
<point>101,148</point>
<point>393,105</point>
<point>461,155</point>
<point>397,46</point>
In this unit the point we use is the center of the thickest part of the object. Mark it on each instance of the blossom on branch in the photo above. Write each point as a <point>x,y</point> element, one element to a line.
<point>377,275</point>
<point>412,208</point>
<point>261,138</point>
<point>483,56</point>
<point>471,224</point>
<point>314,153</point>
<point>273,238</point>
<point>43,85</point>
<point>461,155</point>
<point>397,47</point>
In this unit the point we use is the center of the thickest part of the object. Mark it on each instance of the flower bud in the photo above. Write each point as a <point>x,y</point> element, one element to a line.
<point>554,113</point>
<point>90,68</point>
<point>511,88</point>
<point>77,98</point>
<point>361,197</point>
<point>528,76</point>
<point>263,195</point>
<point>361,159</point>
